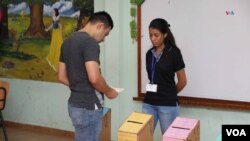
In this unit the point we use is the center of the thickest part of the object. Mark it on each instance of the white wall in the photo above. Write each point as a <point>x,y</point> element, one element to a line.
<point>38,103</point>
<point>45,104</point>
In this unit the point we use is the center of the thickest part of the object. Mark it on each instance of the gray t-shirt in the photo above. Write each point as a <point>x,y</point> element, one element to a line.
<point>76,50</point>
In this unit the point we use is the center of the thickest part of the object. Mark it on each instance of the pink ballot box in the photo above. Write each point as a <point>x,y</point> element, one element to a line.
<point>183,129</point>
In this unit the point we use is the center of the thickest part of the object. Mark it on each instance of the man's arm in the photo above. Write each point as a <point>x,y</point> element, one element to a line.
<point>62,74</point>
<point>97,80</point>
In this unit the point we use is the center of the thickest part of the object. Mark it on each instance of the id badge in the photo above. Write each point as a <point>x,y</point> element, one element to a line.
<point>151,88</point>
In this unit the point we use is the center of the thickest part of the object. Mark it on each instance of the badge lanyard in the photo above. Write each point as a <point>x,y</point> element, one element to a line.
<point>153,68</point>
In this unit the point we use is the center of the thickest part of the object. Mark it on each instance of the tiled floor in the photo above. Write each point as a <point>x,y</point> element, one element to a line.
<point>19,134</point>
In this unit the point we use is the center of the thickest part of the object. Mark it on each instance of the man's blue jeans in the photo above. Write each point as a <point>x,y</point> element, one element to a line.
<point>87,123</point>
<point>165,114</point>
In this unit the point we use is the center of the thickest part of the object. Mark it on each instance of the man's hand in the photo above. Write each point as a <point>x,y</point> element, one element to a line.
<point>112,94</point>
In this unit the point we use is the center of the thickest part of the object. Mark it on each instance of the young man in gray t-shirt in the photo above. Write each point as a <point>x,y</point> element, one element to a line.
<point>79,68</point>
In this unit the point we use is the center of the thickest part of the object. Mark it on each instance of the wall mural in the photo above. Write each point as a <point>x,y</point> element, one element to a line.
<point>31,34</point>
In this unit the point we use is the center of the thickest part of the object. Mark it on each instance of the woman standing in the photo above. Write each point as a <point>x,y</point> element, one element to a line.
<point>163,61</point>
<point>56,40</point>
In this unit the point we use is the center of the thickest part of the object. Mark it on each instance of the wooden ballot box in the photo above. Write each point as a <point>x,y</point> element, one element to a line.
<point>137,127</point>
<point>183,129</point>
<point>106,125</point>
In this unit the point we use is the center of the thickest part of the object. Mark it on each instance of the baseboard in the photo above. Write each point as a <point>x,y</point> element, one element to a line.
<point>41,129</point>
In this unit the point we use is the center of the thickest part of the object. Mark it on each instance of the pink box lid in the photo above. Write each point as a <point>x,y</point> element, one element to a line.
<point>176,133</point>
<point>185,123</point>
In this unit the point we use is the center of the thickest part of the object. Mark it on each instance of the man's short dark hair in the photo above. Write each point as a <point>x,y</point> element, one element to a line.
<point>103,17</point>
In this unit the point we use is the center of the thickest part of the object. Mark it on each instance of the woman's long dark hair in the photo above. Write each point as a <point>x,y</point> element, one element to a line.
<point>56,12</point>
<point>163,26</point>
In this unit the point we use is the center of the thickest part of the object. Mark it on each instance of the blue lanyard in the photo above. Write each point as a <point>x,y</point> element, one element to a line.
<point>153,68</point>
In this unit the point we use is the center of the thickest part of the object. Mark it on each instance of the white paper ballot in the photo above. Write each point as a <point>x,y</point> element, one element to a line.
<point>119,90</point>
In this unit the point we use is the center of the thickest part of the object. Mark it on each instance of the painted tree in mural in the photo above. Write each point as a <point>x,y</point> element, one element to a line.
<point>4,34</point>
<point>36,27</point>
<point>86,8</point>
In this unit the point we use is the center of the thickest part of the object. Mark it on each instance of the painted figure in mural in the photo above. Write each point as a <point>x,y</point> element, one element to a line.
<point>56,40</point>
<point>79,68</point>
<point>163,61</point>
